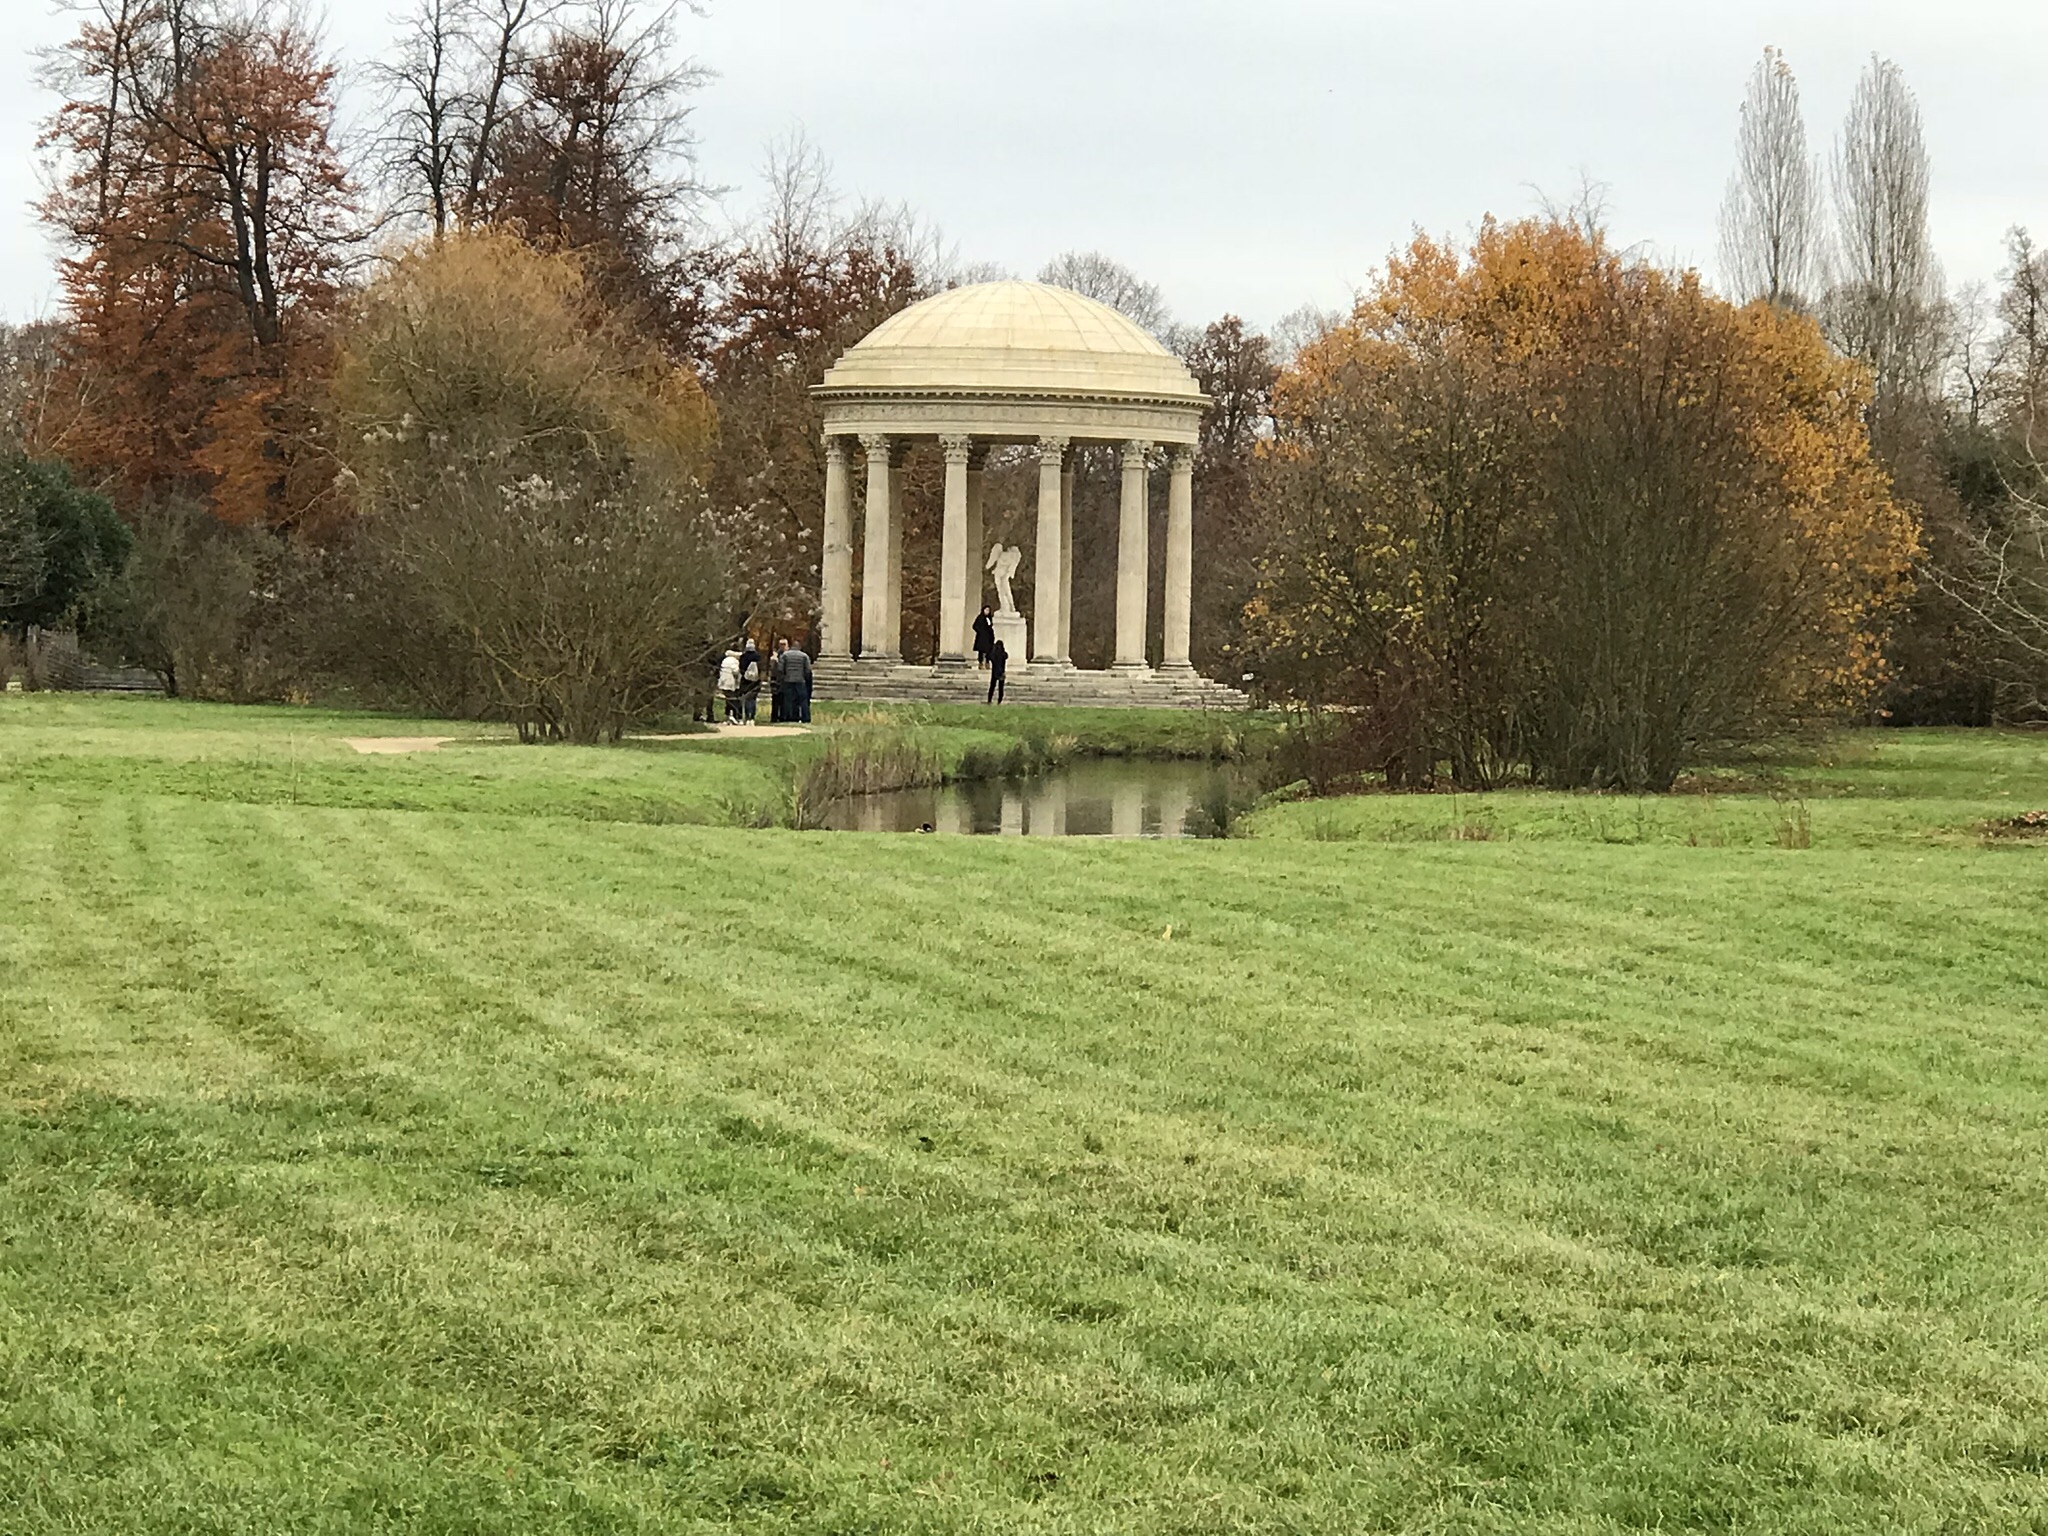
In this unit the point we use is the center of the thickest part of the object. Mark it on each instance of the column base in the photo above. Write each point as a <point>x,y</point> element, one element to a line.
<point>1177,669</point>
<point>1131,669</point>
<point>950,664</point>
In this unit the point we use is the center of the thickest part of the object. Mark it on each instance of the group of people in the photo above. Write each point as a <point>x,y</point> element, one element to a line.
<point>788,674</point>
<point>990,654</point>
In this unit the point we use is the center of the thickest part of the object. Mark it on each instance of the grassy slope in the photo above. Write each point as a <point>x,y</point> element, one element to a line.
<point>83,749</point>
<point>436,1170</point>
<point>1873,789</point>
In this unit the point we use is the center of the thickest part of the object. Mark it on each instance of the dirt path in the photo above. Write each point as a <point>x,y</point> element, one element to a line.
<point>722,729</point>
<point>385,745</point>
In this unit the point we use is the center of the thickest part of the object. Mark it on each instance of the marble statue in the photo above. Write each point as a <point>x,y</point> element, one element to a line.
<point>1003,561</point>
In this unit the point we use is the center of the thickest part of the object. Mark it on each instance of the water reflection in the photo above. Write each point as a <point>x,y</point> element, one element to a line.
<point>1098,799</point>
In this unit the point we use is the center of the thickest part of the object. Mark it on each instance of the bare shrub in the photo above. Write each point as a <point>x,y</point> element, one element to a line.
<point>530,479</point>
<point>211,608</point>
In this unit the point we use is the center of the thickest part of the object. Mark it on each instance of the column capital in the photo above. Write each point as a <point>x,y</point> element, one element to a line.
<point>1137,448</point>
<point>873,443</point>
<point>1052,450</point>
<point>835,448</point>
<point>958,449</point>
<point>1182,458</point>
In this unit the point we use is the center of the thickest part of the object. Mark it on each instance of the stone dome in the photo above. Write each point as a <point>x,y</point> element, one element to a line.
<point>1011,339</point>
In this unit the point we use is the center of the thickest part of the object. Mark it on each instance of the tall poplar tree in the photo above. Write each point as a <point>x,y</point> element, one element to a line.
<point>1770,220</point>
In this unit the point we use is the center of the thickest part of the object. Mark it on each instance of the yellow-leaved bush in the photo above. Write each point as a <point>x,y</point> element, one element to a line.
<point>1540,509</point>
<point>532,532</point>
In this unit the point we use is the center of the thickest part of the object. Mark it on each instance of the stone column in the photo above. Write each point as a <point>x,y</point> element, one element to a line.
<point>977,549</point>
<point>874,564</point>
<point>1049,810</point>
<point>1174,806</point>
<point>1131,560</point>
<point>1180,559</point>
<point>835,623</point>
<point>1127,811</point>
<point>953,616</point>
<point>1045,560</point>
<point>892,635</point>
<point>1066,651</point>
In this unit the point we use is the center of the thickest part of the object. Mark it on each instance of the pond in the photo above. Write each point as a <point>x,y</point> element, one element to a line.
<point>1115,797</point>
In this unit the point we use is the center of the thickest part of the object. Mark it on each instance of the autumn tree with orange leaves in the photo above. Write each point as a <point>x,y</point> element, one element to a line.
<point>209,223</point>
<point>1542,510</point>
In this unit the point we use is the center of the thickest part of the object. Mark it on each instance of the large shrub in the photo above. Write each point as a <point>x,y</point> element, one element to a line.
<point>59,543</point>
<point>1540,508</point>
<point>214,609</point>
<point>529,479</point>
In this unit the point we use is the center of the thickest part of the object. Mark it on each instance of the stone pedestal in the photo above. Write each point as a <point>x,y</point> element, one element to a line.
<point>1013,630</point>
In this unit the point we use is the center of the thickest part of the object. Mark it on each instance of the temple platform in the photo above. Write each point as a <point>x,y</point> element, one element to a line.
<point>1150,688</point>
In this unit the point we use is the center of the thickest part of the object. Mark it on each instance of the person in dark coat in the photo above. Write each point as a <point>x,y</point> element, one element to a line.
<point>750,680</point>
<point>998,663</point>
<point>796,677</point>
<point>778,685</point>
<point>984,635</point>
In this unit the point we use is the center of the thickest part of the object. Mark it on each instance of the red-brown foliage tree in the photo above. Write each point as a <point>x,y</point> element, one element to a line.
<point>208,220</point>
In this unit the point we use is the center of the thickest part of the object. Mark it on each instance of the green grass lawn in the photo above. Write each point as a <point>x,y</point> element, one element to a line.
<point>468,1143</point>
<point>1871,789</point>
<point>85,749</point>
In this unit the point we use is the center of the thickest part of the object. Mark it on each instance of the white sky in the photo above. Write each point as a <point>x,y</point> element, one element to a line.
<point>1253,155</point>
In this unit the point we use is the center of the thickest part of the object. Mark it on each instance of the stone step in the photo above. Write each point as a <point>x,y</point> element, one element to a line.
<point>900,683</point>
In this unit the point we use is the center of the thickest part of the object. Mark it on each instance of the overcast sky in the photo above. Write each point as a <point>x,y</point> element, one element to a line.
<point>1258,155</point>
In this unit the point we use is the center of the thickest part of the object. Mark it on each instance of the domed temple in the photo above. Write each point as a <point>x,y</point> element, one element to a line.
<point>1019,364</point>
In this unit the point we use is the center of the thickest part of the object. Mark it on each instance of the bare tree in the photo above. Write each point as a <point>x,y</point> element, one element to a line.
<point>1110,282</point>
<point>1976,353</point>
<point>500,31</point>
<point>31,371</point>
<point>599,144</point>
<point>2020,381</point>
<point>1993,565</point>
<point>1770,220</point>
<point>448,94</point>
<point>569,120</point>
<point>1998,576</point>
<point>421,150</point>
<point>1298,328</point>
<point>1886,306</point>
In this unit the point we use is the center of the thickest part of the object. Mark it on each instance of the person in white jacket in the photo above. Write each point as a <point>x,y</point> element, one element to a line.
<point>729,683</point>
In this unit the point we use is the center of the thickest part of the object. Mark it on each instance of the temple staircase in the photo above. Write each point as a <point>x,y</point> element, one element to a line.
<point>1138,688</point>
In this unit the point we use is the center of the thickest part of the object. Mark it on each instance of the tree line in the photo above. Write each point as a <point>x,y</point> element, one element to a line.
<point>1959,380</point>
<point>1540,509</point>
<point>484,408</point>
<point>229,256</point>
